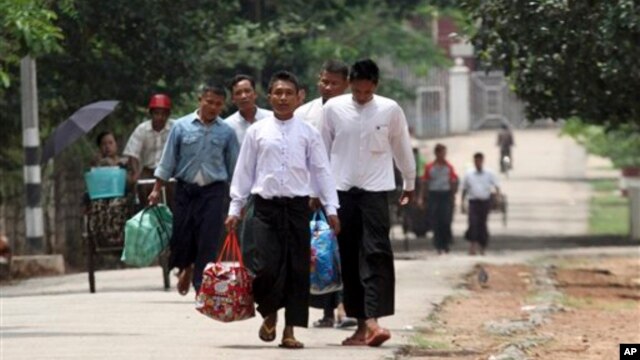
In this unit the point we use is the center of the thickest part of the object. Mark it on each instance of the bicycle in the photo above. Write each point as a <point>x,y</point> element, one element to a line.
<point>505,164</point>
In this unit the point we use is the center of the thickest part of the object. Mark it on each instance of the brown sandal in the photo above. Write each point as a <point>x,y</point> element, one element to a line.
<point>291,343</point>
<point>266,333</point>
<point>354,341</point>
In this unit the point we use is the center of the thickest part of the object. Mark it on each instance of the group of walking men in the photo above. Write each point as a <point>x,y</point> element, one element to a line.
<point>439,185</point>
<point>336,152</point>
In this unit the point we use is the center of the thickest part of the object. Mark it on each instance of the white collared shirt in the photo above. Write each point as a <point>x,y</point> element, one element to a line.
<point>240,125</point>
<point>282,159</point>
<point>479,185</point>
<point>311,112</point>
<point>146,144</point>
<point>364,140</point>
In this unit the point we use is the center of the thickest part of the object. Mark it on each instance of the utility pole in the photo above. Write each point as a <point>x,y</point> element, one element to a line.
<point>31,143</point>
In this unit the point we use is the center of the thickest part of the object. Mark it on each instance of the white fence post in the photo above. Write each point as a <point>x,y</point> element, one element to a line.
<point>459,102</point>
<point>633,189</point>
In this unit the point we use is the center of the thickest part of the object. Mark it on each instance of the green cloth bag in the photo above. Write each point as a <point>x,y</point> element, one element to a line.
<point>146,235</point>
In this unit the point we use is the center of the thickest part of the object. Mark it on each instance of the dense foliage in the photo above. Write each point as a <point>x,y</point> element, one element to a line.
<point>129,49</point>
<point>565,57</point>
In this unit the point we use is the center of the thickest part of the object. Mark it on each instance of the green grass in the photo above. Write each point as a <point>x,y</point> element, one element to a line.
<point>421,342</point>
<point>604,185</point>
<point>609,212</point>
<point>588,302</point>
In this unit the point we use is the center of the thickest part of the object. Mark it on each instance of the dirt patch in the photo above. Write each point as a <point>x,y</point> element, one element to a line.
<point>604,310</point>
<point>597,308</point>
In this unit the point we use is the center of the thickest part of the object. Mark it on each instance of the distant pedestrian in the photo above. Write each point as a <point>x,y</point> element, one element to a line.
<point>146,143</point>
<point>332,81</point>
<point>364,133</point>
<point>505,142</point>
<point>281,163</point>
<point>440,184</point>
<point>478,186</point>
<point>200,153</point>
<point>244,96</point>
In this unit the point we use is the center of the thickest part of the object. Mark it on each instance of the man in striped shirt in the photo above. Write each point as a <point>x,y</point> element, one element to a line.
<point>440,183</point>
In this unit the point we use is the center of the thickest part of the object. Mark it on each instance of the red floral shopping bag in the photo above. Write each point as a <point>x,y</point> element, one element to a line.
<point>225,294</point>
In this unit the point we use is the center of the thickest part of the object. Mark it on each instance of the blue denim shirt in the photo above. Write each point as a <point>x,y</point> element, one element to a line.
<point>193,146</point>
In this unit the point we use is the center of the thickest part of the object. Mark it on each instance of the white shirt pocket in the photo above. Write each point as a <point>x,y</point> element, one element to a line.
<point>379,139</point>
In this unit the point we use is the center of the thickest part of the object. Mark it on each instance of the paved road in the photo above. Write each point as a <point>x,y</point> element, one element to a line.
<point>132,318</point>
<point>546,190</point>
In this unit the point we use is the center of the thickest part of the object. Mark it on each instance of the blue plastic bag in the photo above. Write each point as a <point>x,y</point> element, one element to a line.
<point>325,273</point>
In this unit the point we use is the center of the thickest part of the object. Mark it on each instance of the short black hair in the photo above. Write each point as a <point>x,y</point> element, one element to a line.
<point>240,77</point>
<point>336,67</point>
<point>212,88</point>
<point>478,155</point>
<point>365,69</point>
<point>439,147</point>
<point>102,135</point>
<point>284,76</point>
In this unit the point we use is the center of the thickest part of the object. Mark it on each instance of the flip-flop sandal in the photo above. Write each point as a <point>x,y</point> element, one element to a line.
<point>291,343</point>
<point>266,333</point>
<point>353,341</point>
<point>378,337</point>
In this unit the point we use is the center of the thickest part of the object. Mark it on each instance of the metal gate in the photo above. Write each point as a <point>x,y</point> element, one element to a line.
<point>431,111</point>
<point>493,103</point>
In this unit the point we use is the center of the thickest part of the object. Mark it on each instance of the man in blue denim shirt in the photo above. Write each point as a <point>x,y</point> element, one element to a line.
<point>200,153</point>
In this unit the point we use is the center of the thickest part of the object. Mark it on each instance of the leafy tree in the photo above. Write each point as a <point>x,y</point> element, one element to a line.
<point>27,27</point>
<point>565,57</point>
<point>620,145</point>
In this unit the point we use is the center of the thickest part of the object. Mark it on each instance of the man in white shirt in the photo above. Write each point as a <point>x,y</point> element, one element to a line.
<point>243,96</point>
<point>332,81</point>
<point>145,145</point>
<point>478,185</point>
<point>281,163</point>
<point>364,133</point>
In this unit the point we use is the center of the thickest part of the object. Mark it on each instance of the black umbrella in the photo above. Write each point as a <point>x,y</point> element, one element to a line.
<point>80,123</point>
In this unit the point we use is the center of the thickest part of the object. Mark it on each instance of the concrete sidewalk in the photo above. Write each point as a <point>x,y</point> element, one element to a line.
<point>130,317</point>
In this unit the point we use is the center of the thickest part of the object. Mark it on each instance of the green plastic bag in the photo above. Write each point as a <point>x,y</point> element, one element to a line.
<point>146,235</point>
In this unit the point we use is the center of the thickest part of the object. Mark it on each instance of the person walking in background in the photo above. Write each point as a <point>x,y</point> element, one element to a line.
<point>200,153</point>
<point>145,145</point>
<point>244,96</point>
<point>505,142</point>
<point>440,184</point>
<point>282,162</point>
<point>477,186</point>
<point>332,81</point>
<point>364,133</point>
